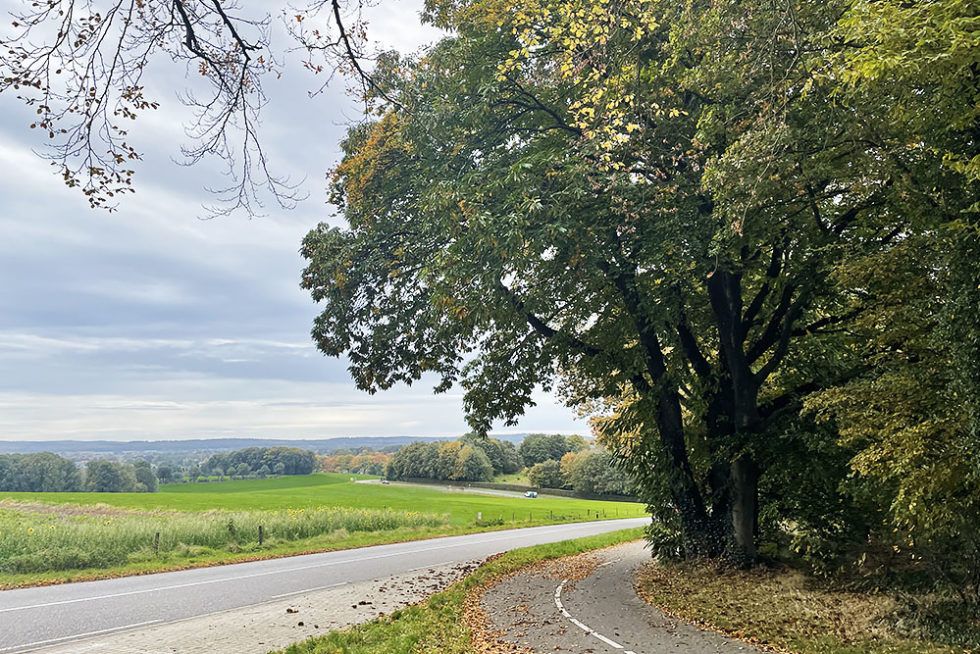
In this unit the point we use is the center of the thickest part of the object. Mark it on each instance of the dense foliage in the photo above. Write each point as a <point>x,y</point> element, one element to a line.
<point>504,457</point>
<point>49,473</point>
<point>44,472</point>
<point>587,472</point>
<point>363,463</point>
<point>595,472</point>
<point>538,448</point>
<point>261,462</point>
<point>467,459</point>
<point>546,474</point>
<point>693,218</point>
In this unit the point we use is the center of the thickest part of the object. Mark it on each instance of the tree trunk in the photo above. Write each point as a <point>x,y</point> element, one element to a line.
<point>736,412</point>
<point>700,532</point>
<point>745,489</point>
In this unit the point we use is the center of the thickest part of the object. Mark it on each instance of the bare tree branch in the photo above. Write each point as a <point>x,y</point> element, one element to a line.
<point>80,64</point>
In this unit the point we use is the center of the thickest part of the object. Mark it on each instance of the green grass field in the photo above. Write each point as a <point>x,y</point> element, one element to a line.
<point>51,537</point>
<point>337,490</point>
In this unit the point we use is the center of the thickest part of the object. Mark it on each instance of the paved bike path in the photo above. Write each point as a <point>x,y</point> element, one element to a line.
<point>551,608</point>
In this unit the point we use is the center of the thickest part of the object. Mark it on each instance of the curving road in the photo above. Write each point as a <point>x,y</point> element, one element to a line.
<point>34,618</point>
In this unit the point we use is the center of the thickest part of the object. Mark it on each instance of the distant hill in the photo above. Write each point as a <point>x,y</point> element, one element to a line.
<point>218,444</point>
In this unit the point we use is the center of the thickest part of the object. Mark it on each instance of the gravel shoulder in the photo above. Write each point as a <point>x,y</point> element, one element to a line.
<point>587,604</point>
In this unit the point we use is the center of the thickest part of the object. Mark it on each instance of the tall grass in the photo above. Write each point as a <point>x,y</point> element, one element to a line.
<point>36,539</point>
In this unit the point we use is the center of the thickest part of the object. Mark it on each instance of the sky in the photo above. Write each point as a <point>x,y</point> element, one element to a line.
<point>150,323</point>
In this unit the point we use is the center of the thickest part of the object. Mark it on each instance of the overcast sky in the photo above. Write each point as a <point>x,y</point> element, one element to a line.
<point>150,323</point>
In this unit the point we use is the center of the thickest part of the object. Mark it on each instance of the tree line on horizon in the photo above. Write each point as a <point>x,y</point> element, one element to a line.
<point>552,461</point>
<point>364,461</point>
<point>470,458</point>
<point>260,462</point>
<point>46,472</point>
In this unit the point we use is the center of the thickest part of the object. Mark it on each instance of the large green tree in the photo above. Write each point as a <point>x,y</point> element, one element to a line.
<point>643,201</point>
<point>104,476</point>
<point>538,448</point>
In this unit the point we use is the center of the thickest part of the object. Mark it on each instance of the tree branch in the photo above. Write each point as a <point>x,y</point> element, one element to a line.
<point>544,329</point>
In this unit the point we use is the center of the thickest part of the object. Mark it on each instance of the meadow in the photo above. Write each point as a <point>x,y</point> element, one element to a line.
<point>49,537</point>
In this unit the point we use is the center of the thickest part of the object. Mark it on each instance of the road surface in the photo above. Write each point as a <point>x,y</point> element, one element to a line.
<point>449,488</point>
<point>33,618</point>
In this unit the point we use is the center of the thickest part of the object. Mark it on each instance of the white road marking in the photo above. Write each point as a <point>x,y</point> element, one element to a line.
<point>271,572</point>
<point>584,627</point>
<point>310,590</point>
<point>51,641</point>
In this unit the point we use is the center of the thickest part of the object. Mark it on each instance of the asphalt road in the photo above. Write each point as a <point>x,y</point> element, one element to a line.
<point>31,618</point>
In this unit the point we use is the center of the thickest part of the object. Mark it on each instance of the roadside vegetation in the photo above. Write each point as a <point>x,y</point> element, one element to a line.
<point>437,625</point>
<point>37,538</point>
<point>47,537</point>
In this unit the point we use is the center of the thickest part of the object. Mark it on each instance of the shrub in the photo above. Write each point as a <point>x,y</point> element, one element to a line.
<point>546,474</point>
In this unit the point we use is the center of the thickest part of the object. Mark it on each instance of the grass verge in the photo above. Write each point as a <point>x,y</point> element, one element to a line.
<point>436,626</point>
<point>785,610</point>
